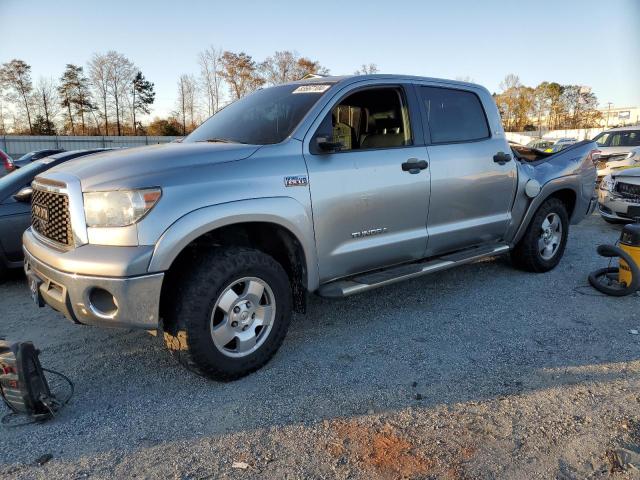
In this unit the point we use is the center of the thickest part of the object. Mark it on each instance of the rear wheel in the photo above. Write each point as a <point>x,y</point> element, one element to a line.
<point>231,313</point>
<point>542,246</point>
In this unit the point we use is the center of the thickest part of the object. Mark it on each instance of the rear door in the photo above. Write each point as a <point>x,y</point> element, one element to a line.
<point>473,178</point>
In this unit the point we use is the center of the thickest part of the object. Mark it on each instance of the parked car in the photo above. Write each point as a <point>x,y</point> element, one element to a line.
<point>619,196</point>
<point>15,205</point>
<point>6,164</point>
<point>335,185</point>
<point>36,155</point>
<point>540,144</point>
<point>560,144</point>
<point>619,149</point>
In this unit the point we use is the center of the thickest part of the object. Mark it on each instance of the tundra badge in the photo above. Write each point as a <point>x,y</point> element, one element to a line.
<point>295,181</point>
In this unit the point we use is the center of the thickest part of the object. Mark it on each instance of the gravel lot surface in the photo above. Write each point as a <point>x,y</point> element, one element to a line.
<point>478,372</point>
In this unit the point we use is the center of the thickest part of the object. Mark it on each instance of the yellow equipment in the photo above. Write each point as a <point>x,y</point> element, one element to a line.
<point>630,243</point>
<point>625,278</point>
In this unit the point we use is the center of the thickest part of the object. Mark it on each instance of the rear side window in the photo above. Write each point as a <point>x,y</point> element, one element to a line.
<point>630,138</point>
<point>454,115</point>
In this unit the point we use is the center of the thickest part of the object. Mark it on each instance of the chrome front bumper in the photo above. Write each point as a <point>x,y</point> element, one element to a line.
<point>614,206</point>
<point>101,301</point>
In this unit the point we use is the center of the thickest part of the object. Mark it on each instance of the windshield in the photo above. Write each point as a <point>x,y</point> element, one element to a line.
<point>601,140</point>
<point>265,117</point>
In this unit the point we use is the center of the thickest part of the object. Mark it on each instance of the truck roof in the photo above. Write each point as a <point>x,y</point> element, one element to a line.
<point>380,76</point>
<point>623,129</point>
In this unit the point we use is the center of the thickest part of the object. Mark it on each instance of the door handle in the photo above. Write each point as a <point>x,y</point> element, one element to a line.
<point>413,165</point>
<point>502,158</point>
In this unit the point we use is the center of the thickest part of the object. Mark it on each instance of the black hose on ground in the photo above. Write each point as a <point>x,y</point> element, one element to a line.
<point>611,251</point>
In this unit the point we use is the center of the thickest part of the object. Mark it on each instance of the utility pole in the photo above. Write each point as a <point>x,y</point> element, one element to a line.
<point>608,113</point>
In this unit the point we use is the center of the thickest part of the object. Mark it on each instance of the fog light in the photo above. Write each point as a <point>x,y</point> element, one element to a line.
<point>102,302</point>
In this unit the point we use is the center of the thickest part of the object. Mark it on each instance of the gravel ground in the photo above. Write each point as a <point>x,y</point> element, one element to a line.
<point>478,372</point>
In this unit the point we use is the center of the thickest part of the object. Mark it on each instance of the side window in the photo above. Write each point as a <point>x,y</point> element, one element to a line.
<point>454,115</point>
<point>371,118</point>
<point>616,140</point>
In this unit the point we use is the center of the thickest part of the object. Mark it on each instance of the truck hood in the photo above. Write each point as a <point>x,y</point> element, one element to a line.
<point>136,167</point>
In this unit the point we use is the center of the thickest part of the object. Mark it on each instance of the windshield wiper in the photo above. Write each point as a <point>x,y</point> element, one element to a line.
<point>218,140</point>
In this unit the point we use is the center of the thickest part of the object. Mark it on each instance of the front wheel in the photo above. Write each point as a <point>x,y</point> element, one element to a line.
<point>231,313</point>
<point>542,246</point>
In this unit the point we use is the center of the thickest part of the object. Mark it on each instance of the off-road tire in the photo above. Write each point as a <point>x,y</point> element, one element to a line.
<point>187,335</point>
<point>526,254</point>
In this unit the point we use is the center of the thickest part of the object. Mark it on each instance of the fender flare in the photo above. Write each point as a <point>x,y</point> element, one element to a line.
<point>548,189</point>
<point>283,211</point>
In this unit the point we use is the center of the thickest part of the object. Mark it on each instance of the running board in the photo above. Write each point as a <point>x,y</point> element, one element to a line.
<point>369,281</point>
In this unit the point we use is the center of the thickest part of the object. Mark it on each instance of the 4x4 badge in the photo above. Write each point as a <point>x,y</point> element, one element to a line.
<point>296,181</point>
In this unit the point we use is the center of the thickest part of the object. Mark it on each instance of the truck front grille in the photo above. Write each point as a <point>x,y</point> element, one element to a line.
<point>50,216</point>
<point>628,189</point>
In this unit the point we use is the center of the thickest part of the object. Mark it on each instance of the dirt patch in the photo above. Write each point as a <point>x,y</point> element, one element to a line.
<point>386,453</point>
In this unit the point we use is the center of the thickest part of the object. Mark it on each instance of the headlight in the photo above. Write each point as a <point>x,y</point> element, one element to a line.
<point>118,208</point>
<point>607,183</point>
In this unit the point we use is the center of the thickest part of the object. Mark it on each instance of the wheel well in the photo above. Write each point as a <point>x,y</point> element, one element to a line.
<point>269,238</point>
<point>568,197</point>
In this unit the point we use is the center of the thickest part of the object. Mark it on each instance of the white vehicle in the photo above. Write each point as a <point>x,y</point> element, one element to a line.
<point>619,196</point>
<point>620,149</point>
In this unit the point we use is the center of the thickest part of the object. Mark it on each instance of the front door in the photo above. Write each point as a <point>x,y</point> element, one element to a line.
<point>370,195</point>
<point>471,191</point>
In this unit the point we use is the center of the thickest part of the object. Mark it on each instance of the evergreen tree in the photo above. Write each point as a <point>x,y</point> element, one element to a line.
<point>75,96</point>
<point>143,97</point>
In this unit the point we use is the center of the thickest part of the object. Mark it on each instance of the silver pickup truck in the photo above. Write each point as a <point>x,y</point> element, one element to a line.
<point>334,185</point>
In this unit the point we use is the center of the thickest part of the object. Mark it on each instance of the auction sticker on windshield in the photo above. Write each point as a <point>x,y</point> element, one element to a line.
<point>311,89</point>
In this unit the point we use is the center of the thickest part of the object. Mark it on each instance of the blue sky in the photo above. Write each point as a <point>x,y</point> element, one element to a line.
<point>586,42</point>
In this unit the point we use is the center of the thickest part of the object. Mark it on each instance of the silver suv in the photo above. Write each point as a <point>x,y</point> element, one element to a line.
<point>333,185</point>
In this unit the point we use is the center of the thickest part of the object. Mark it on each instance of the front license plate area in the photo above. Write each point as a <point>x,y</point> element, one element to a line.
<point>34,289</point>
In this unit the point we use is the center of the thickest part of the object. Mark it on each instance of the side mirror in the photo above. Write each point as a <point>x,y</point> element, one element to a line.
<point>24,195</point>
<point>326,145</point>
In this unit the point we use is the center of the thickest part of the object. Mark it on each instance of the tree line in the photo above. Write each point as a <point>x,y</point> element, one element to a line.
<point>548,106</point>
<point>111,96</point>
<point>107,98</point>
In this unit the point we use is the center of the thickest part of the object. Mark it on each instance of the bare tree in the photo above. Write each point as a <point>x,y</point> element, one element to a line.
<point>15,76</point>
<point>240,72</point>
<point>47,105</point>
<point>187,105</point>
<point>99,78</point>
<point>210,78</point>
<point>507,101</point>
<point>365,69</point>
<point>287,66</point>
<point>121,72</point>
